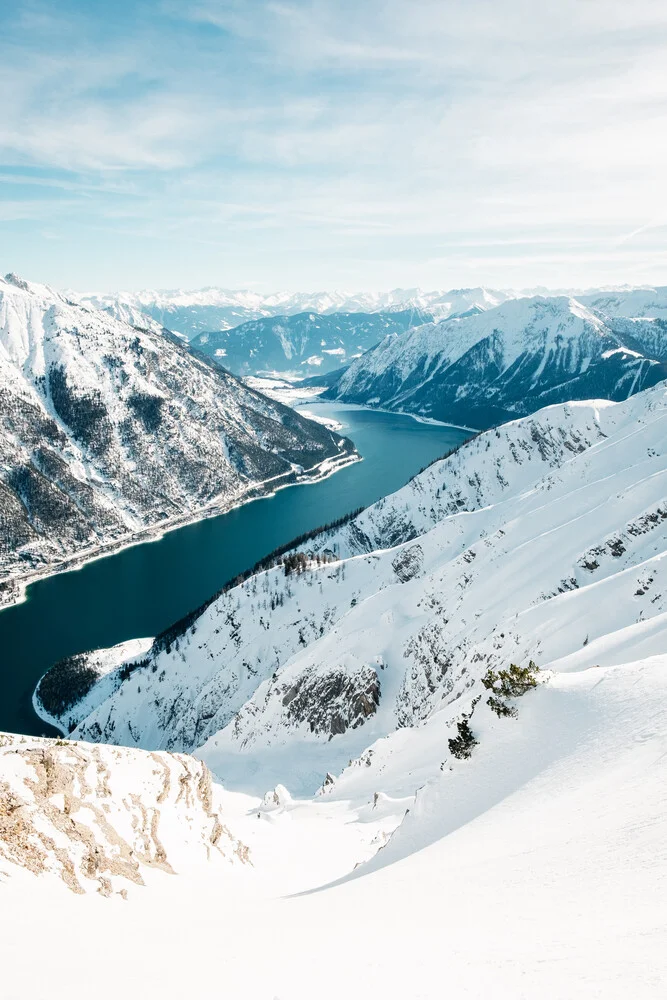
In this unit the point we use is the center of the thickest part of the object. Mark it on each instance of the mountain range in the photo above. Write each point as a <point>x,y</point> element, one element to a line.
<point>488,367</point>
<point>516,547</point>
<point>109,430</point>
<point>206,310</point>
<point>440,724</point>
<point>420,752</point>
<point>442,721</point>
<point>303,343</point>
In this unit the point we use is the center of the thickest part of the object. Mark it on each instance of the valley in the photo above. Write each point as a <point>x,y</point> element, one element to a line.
<point>144,588</point>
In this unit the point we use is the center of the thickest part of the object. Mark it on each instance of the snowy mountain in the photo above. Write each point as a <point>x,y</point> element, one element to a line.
<point>515,547</point>
<point>304,343</point>
<point>108,430</point>
<point>628,303</point>
<point>191,313</point>
<point>400,806</point>
<point>482,369</point>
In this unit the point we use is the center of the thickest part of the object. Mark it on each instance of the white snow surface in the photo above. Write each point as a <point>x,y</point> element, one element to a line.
<point>381,865</point>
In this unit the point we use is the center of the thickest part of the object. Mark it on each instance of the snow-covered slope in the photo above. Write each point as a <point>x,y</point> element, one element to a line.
<point>108,430</point>
<point>535,868</point>
<point>304,343</point>
<point>212,309</point>
<point>485,368</point>
<point>543,539</point>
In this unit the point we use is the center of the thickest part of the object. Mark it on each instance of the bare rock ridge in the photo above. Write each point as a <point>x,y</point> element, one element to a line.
<point>107,430</point>
<point>100,818</point>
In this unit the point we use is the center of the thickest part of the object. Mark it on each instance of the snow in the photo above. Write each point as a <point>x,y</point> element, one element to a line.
<point>524,325</point>
<point>486,367</point>
<point>254,305</point>
<point>536,868</point>
<point>290,393</point>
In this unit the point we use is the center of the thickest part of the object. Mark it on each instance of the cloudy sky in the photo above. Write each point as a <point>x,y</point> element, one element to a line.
<point>307,144</point>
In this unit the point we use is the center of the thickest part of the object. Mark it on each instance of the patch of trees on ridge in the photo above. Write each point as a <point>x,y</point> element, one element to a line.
<point>84,413</point>
<point>147,408</point>
<point>66,683</point>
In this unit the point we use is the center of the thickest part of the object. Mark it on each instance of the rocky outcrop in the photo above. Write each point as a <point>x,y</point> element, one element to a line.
<point>99,818</point>
<point>333,702</point>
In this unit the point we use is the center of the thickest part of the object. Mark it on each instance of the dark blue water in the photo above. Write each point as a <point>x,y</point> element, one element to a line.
<point>143,589</point>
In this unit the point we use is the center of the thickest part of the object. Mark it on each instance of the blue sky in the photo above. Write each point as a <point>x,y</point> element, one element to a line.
<point>306,144</point>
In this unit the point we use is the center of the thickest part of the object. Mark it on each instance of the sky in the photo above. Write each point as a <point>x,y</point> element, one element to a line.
<point>312,144</point>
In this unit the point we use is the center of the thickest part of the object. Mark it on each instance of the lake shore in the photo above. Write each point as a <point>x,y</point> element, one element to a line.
<point>13,589</point>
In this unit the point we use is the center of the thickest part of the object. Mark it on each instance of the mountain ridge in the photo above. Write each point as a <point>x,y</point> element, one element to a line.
<point>110,430</point>
<point>493,366</point>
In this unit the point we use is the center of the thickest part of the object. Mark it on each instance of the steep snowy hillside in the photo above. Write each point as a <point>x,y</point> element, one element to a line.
<point>108,430</point>
<point>305,343</point>
<point>213,309</point>
<point>482,369</point>
<point>100,819</point>
<point>544,539</point>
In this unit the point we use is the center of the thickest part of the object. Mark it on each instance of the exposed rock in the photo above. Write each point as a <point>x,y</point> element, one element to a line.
<point>333,702</point>
<point>408,563</point>
<point>98,818</point>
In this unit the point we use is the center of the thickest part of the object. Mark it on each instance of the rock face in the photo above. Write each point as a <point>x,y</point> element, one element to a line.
<point>543,539</point>
<point>306,343</point>
<point>106,429</point>
<point>100,818</point>
<point>483,369</point>
<point>333,702</point>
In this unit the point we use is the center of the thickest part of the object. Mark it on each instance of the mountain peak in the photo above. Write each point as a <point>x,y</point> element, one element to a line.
<point>14,279</point>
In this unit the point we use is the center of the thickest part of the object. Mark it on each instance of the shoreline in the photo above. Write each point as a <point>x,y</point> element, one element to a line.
<point>154,533</point>
<point>283,389</point>
<point>430,421</point>
<point>44,716</point>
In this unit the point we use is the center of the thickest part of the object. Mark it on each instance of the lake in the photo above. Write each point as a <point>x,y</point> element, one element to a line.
<point>143,589</point>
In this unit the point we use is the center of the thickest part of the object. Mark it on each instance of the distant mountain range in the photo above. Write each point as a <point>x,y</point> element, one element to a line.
<point>108,430</point>
<point>484,368</point>
<point>304,343</point>
<point>206,310</point>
